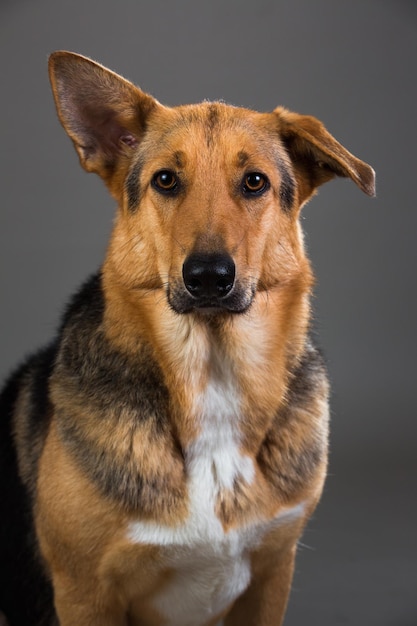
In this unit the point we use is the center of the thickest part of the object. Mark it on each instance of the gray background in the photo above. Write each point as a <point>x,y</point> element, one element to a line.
<point>352,63</point>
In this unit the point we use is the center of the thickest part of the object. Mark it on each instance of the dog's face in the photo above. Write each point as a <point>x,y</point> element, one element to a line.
<point>214,190</point>
<point>209,195</point>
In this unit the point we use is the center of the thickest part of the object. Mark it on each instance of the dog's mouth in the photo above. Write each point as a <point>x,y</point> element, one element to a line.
<point>209,286</point>
<point>182,302</point>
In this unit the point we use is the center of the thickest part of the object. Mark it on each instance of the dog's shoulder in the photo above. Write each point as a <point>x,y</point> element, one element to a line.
<point>294,452</point>
<point>26,407</point>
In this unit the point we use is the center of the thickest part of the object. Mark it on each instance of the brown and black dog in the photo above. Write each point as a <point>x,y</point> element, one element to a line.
<point>161,457</point>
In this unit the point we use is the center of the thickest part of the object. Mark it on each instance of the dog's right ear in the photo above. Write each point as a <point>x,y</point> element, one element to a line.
<point>103,113</point>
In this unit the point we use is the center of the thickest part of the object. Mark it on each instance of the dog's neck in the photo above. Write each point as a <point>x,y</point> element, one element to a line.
<point>217,364</point>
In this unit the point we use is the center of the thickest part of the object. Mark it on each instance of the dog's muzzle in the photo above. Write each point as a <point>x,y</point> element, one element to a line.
<point>209,284</point>
<point>209,277</point>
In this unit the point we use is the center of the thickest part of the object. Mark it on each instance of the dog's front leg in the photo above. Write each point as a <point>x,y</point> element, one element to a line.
<point>82,606</point>
<point>265,600</point>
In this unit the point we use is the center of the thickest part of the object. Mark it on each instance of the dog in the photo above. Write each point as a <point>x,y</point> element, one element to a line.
<point>161,457</point>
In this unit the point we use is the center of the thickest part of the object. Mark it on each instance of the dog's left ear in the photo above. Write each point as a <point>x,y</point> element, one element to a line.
<point>317,157</point>
<point>104,114</point>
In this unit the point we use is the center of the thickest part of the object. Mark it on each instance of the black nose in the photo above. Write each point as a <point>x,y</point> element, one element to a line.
<point>209,275</point>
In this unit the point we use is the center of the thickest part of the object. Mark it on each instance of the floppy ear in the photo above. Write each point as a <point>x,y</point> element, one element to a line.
<point>103,113</point>
<point>317,157</point>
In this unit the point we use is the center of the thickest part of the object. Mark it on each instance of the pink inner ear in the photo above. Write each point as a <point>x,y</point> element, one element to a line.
<point>129,140</point>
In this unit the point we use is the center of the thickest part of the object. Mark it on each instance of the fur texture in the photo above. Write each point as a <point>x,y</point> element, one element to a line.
<point>160,459</point>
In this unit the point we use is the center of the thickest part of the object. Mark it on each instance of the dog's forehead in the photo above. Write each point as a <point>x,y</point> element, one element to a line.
<point>212,127</point>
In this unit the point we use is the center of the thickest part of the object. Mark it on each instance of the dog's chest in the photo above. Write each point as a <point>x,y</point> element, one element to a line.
<point>211,566</point>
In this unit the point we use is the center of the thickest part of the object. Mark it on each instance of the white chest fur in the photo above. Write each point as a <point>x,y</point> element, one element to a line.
<point>211,566</point>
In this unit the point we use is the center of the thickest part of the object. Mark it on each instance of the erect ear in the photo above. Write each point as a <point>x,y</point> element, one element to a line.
<point>103,113</point>
<point>317,157</point>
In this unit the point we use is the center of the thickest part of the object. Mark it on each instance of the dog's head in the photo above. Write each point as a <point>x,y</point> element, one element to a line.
<point>209,195</point>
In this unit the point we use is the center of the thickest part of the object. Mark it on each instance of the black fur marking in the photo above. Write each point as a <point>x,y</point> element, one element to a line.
<point>33,427</point>
<point>87,305</point>
<point>287,187</point>
<point>212,122</point>
<point>277,451</point>
<point>132,185</point>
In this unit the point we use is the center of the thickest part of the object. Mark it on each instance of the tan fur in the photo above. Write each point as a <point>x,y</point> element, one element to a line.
<point>95,570</point>
<point>100,576</point>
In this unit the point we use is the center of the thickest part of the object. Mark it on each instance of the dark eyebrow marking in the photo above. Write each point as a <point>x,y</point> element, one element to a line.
<point>179,159</point>
<point>132,185</point>
<point>242,158</point>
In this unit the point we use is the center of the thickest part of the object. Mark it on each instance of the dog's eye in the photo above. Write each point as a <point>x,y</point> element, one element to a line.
<point>255,183</point>
<point>165,181</point>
